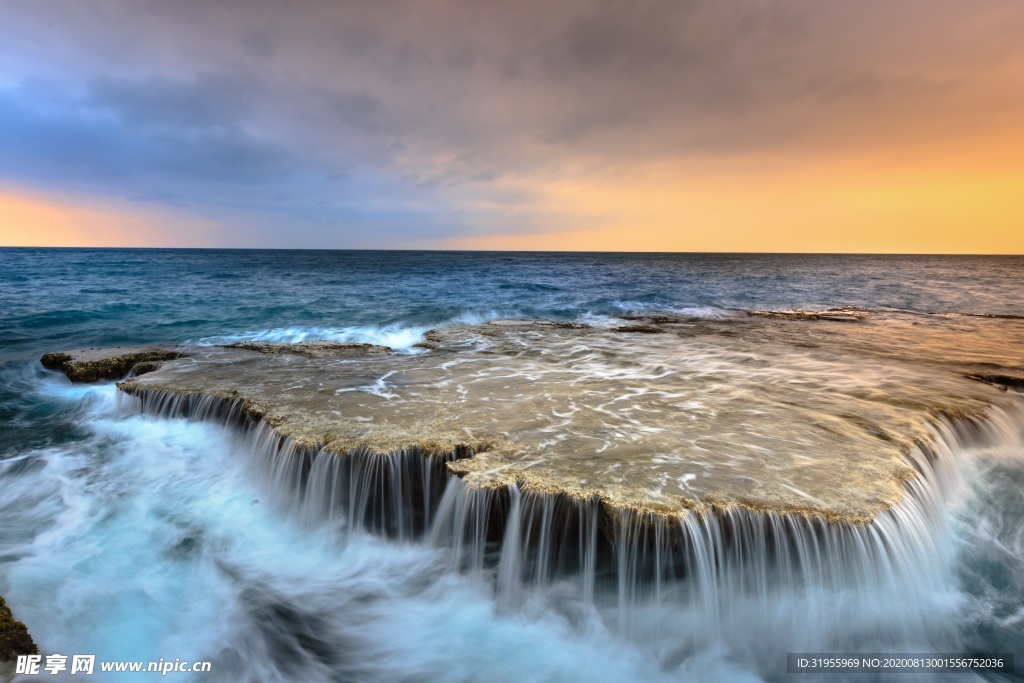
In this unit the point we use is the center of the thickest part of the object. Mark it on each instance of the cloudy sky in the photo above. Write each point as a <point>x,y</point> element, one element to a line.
<point>681,125</point>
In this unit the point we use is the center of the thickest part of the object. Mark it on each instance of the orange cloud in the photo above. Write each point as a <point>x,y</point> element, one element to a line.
<point>866,208</point>
<point>38,220</point>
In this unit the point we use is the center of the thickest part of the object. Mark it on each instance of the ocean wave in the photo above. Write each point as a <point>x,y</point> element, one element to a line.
<point>403,335</point>
<point>706,312</point>
<point>400,335</point>
<point>709,312</point>
<point>395,336</point>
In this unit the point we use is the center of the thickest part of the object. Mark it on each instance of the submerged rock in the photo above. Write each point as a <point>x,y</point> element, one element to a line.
<point>657,319</point>
<point>309,348</point>
<point>537,323</point>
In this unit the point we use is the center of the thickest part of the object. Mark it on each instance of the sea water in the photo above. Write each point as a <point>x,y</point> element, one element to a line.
<point>137,537</point>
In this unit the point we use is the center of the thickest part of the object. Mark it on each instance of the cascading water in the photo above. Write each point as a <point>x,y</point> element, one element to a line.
<point>689,585</point>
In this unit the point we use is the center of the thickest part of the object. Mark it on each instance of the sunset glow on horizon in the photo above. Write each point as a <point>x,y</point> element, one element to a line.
<point>703,126</point>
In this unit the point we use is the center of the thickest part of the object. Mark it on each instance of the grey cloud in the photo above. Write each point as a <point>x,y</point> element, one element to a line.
<point>53,140</point>
<point>261,94</point>
<point>258,44</point>
<point>82,144</point>
<point>363,112</point>
<point>232,155</point>
<point>631,38</point>
<point>199,102</point>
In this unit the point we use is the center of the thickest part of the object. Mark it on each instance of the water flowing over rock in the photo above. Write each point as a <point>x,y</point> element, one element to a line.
<point>733,453</point>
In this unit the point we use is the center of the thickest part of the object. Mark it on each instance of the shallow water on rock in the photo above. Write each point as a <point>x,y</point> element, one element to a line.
<point>794,415</point>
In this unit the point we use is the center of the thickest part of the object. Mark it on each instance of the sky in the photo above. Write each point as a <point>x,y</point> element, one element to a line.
<point>662,125</point>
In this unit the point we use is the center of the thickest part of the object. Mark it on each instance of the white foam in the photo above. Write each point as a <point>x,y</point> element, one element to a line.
<point>399,336</point>
<point>708,312</point>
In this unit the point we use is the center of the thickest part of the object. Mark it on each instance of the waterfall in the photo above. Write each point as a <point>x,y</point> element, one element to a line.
<point>716,563</point>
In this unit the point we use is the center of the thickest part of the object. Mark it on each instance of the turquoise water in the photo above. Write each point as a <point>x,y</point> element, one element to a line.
<point>138,538</point>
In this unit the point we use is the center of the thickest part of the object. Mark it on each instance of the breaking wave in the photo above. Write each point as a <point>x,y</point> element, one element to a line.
<point>399,335</point>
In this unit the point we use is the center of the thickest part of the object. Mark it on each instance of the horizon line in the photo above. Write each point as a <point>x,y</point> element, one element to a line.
<point>521,251</point>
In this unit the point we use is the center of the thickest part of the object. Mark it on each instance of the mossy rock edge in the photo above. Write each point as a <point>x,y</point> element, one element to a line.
<point>14,637</point>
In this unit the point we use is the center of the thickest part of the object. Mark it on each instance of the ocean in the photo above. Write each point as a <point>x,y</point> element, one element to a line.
<point>136,536</point>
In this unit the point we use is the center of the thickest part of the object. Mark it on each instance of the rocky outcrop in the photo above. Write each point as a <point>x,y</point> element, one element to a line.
<point>843,314</point>
<point>91,365</point>
<point>545,448</point>
<point>643,329</point>
<point>14,637</point>
<point>1003,382</point>
<point>667,424</point>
